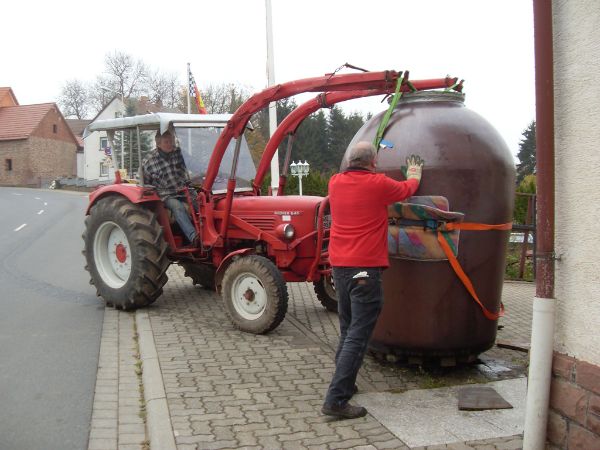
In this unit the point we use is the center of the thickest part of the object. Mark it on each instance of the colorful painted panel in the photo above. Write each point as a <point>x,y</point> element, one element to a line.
<point>413,228</point>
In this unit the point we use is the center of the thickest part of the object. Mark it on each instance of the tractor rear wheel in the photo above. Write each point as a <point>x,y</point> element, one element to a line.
<point>125,252</point>
<point>325,290</point>
<point>201,274</point>
<point>255,294</point>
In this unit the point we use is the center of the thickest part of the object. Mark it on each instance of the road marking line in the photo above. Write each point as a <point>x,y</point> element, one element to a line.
<point>41,211</point>
<point>37,198</point>
<point>45,203</point>
<point>14,193</point>
<point>21,227</point>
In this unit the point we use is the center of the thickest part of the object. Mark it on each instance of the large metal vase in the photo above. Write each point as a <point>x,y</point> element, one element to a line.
<point>427,311</point>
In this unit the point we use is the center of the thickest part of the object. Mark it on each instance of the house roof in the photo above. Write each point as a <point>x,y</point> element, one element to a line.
<point>18,122</point>
<point>115,98</point>
<point>7,97</point>
<point>143,105</point>
<point>78,125</point>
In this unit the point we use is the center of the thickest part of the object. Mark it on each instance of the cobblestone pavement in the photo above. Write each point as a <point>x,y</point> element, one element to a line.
<point>118,412</point>
<point>229,389</point>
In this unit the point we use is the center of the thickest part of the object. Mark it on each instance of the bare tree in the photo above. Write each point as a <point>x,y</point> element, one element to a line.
<point>102,92</point>
<point>74,99</point>
<point>126,74</point>
<point>224,98</point>
<point>164,89</point>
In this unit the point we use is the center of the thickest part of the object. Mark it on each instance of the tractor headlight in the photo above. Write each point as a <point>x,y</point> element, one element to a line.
<point>286,231</point>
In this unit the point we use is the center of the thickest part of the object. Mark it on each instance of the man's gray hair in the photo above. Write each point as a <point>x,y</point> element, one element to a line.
<point>362,154</point>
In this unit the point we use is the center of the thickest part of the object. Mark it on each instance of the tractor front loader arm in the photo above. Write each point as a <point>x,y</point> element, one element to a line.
<point>345,82</point>
<point>293,120</point>
<point>327,99</point>
<point>355,85</point>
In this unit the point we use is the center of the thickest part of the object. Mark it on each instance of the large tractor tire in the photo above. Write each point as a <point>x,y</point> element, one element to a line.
<point>255,294</point>
<point>201,274</point>
<point>326,294</point>
<point>125,252</point>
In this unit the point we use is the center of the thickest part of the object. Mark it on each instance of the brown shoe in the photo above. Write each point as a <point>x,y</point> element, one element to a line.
<point>344,412</point>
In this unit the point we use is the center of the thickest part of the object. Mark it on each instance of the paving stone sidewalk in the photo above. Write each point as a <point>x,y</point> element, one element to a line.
<point>118,414</point>
<point>229,389</point>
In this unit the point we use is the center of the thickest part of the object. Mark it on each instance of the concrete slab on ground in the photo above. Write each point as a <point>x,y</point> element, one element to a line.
<point>425,417</point>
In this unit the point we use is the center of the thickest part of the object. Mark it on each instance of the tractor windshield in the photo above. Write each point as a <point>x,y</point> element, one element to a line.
<point>197,144</point>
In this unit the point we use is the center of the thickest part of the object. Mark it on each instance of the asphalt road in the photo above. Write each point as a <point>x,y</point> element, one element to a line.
<point>50,322</point>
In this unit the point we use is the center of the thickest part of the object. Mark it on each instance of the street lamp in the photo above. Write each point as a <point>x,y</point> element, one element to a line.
<point>299,170</point>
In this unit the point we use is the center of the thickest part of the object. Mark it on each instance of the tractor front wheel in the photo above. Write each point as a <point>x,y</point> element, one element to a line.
<point>255,294</point>
<point>325,290</point>
<point>125,252</point>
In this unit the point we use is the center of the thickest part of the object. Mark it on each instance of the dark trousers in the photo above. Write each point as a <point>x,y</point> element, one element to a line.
<point>360,299</point>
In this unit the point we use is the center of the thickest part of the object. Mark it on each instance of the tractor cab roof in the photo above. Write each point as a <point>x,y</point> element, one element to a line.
<point>156,121</point>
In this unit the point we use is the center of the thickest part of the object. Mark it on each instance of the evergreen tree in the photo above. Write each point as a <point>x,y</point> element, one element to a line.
<point>526,154</point>
<point>527,186</point>
<point>319,140</point>
<point>337,136</point>
<point>311,141</point>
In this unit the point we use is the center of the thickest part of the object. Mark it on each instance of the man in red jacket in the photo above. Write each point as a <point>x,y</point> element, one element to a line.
<point>358,253</point>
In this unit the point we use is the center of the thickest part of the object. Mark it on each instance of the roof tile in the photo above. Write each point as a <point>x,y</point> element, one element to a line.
<point>18,122</point>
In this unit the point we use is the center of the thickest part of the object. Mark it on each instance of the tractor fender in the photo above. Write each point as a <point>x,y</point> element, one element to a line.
<point>132,192</point>
<point>225,263</point>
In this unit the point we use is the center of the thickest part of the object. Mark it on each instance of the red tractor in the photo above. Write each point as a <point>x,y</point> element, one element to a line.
<point>250,244</point>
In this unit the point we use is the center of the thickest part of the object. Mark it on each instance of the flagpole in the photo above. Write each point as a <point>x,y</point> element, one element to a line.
<point>272,105</point>
<point>189,106</point>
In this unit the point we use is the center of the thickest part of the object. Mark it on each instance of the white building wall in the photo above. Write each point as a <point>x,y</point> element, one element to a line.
<point>92,150</point>
<point>80,165</point>
<point>577,139</point>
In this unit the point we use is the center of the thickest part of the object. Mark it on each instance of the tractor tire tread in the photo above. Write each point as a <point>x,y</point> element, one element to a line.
<point>149,250</point>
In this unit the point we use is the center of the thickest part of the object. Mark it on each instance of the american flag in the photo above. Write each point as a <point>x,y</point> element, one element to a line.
<point>194,92</point>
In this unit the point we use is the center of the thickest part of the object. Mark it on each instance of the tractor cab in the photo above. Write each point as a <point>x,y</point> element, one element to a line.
<point>195,134</point>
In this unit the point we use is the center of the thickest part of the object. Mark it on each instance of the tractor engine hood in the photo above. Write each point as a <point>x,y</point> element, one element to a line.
<point>286,204</point>
<point>267,212</point>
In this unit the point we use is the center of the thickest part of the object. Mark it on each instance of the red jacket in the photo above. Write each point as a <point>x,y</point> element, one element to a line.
<point>359,200</point>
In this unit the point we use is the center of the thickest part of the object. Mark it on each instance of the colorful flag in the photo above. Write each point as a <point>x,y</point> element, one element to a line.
<point>194,92</point>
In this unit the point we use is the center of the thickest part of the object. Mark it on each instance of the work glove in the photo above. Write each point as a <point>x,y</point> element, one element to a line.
<point>414,167</point>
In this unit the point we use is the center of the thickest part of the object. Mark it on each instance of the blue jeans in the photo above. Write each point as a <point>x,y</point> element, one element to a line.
<point>182,217</point>
<point>360,299</point>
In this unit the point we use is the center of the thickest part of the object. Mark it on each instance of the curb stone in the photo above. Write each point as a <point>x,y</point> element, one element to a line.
<point>159,428</point>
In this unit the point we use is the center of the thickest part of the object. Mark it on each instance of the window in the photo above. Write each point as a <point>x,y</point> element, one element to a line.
<point>103,170</point>
<point>54,129</point>
<point>103,143</point>
<point>8,165</point>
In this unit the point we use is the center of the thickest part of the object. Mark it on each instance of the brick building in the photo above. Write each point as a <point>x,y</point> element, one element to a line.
<point>36,144</point>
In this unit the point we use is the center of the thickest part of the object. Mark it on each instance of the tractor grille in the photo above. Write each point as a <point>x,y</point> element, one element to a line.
<point>264,223</point>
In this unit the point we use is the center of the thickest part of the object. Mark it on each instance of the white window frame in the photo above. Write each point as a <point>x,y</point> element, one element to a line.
<point>103,143</point>
<point>103,170</point>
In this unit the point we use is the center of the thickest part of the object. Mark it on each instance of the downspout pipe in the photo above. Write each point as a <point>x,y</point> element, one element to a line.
<point>542,328</point>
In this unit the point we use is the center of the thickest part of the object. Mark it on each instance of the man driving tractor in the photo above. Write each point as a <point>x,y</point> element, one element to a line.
<point>165,169</point>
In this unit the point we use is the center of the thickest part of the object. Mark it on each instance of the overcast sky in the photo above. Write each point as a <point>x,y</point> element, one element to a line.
<point>489,43</point>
